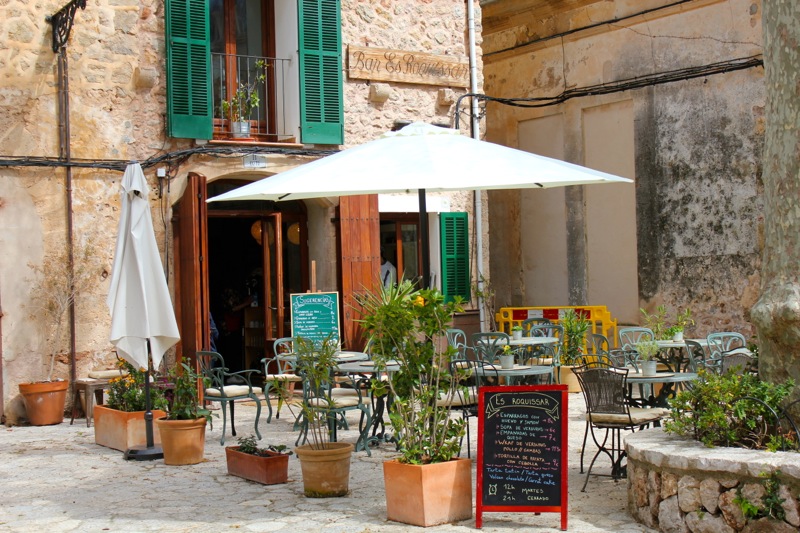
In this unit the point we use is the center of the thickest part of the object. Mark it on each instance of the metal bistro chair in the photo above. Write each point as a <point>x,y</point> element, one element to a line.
<point>282,382</point>
<point>609,413</point>
<point>458,340</point>
<point>739,360</point>
<point>528,323</point>
<point>489,345</point>
<point>212,368</point>
<point>547,354</point>
<point>721,342</point>
<point>471,375</point>
<point>630,337</point>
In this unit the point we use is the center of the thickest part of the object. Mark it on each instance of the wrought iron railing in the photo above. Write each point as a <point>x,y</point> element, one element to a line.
<point>264,77</point>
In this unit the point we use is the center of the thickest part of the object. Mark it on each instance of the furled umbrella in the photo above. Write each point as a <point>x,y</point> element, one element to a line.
<point>143,324</point>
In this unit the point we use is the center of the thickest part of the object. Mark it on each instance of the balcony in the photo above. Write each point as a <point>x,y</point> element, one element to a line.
<point>267,80</point>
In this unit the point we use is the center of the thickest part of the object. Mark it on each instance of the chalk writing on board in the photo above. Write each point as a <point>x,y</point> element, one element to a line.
<point>522,449</point>
<point>315,315</point>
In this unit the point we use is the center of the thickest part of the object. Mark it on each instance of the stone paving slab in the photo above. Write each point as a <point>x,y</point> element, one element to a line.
<point>56,479</point>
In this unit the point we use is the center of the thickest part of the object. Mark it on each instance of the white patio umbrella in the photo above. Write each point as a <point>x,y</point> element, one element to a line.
<point>143,324</point>
<point>424,158</point>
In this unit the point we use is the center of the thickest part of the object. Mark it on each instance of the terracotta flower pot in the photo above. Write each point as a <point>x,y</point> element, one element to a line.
<point>568,378</point>
<point>183,441</point>
<point>45,401</point>
<point>269,470</point>
<point>326,472</point>
<point>427,495</point>
<point>122,430</point>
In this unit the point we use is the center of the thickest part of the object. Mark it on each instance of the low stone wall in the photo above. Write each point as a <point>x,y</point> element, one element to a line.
<point>677,485</point>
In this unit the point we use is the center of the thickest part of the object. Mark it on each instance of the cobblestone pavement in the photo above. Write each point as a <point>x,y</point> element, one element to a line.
<point>55,478</point>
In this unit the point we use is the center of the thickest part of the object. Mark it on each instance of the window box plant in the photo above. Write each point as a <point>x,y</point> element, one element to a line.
<point>428,484</point>
<point>268,466</point>
<point>325,465</point>
<point>183,430</point>
<point>242,102</point>
<point>119,424</point>
<point>54,288</point>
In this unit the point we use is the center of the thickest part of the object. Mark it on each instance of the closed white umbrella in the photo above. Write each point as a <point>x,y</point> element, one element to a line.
<point>142,318</point>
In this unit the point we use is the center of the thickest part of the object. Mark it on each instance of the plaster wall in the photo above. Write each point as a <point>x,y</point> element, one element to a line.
<point>117,87</point>
<point>692,145</point>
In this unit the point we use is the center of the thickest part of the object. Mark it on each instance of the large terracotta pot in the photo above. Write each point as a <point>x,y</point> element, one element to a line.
<point>122,430</point>
<point>183,441</point>
<point>269,470</point>
<point>326,472</point>
<point>427,495</point>
<point>44,402</point>
<point>568,378</point>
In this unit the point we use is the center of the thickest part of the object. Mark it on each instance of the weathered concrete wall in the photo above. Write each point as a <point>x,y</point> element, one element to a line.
<point>117,88</point>
<point>697,142</point>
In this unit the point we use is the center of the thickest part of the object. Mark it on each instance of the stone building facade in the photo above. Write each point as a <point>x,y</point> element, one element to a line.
<point>119,111</point>
<point>670,94</point>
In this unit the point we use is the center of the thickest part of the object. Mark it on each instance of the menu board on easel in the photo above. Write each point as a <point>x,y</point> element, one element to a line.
<point>522,450</point>
<point>315,315</point>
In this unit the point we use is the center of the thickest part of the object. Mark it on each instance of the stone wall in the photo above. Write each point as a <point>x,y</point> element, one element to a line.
<point>677,485</point>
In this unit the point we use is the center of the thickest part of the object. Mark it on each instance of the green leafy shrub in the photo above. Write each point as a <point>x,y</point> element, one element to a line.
<point>126,393</point>
<point>250,446</point>
<point>732,410</point>
<point>575,328</point>
<point>772,502</point>
<point>182,396</point>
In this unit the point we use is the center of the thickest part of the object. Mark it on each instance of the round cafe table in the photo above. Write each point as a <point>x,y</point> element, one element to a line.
<point>368,372</point>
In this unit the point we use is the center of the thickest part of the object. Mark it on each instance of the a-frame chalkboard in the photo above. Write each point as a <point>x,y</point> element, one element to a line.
<point>522,450</point>
<point>315,315</point>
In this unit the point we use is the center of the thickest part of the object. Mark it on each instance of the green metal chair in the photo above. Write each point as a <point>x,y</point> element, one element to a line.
<point>226,387</point>
<point>282,382</point>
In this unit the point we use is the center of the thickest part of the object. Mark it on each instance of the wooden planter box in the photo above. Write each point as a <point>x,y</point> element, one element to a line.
<point>268,470</point>
<point>122,430</point>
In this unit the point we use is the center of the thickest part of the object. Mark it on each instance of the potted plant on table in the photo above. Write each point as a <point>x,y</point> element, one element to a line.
<point>183,430</point>
<point>647,351</point>
<point>516,332</point>
<point>119,424</point>
<point>54,288</point>
<point>576,325</point>
<point>428,484</point>
<point>682,320</point>
<point>242,102</point>
<point>268,466</point>
<point>325,464</point>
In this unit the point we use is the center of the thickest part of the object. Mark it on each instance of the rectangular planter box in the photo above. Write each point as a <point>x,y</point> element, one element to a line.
<point>427,495</point>
<point>269,470</point>
<point>122,430</point>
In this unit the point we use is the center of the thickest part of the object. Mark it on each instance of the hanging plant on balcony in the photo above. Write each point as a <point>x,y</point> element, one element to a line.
<point>239,106</point>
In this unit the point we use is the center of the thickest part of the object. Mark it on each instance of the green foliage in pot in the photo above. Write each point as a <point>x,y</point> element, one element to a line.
<point>54,288</point>
<point>409,326</point>
<point>245,99</point>
<point>126,393</point>
<point>575,328</point>
<point>249,445</point>
<point>732,410</point>
<point>647,350</point>
<point>182,397</point>
<point>662,325</point>
<point>316,362</point>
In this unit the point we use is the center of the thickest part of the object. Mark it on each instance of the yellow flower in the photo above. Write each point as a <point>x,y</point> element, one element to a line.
<point>419,301</point>
<point>506,349</point>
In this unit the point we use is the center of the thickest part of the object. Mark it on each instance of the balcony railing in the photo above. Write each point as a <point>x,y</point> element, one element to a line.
<point>266,120</point>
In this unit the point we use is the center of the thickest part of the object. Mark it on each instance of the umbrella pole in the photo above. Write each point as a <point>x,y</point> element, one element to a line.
<point>150,451</point>
<point>424,240</point>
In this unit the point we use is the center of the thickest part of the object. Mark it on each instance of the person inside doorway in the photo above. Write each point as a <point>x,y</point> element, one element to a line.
<point>388,272</point>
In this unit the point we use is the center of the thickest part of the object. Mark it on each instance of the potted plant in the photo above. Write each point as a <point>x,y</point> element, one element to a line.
<point>507,357</point>
<point>325,464</point>
<point>575,328</point>
<point>647,351</point>
<point>268,466</point>
<point>516,332</point>
<point>241,103</point>
<point>657,322</point>
<point>54,288</point>
<point>428,483</point>
<point>119,424</point>
<point>183,430</point>
<point>682,320</point>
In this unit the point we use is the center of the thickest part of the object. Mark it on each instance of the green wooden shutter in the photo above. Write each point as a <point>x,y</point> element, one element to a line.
<point>321,111</point>
<point>454,229</point>
<point>189,108</point>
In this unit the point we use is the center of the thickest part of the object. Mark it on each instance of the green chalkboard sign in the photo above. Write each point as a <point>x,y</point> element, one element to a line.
<point>315,315</point>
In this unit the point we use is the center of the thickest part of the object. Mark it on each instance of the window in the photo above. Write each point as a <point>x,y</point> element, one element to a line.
<point>454,234</point>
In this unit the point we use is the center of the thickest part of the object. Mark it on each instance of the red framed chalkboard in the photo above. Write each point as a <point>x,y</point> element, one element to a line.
<point>522,450</point>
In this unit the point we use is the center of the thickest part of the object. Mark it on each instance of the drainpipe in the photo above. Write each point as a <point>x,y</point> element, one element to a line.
<point>475,132</point>
<point>2,391</point>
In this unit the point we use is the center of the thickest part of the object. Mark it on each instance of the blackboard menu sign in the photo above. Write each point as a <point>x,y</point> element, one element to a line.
<point>315,315</point>
<point>522,450</point>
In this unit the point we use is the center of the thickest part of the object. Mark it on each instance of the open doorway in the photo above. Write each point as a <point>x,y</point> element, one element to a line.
<point>400,243</point>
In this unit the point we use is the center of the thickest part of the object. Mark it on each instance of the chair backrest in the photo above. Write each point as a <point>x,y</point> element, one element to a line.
<point>624,358</point>
<point>471,375</point>
<point>604,389</point>
<point>598,343</point>
<point>696,354</point>
<point>285,355</point>
<point>630,337</point>
<point>528,323</point>
<point>457,339</point>
<point>212,367</point>
<point>488,345</point>
<point>724,341</point>
<point>738,361</point>
<point>547,330</point>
